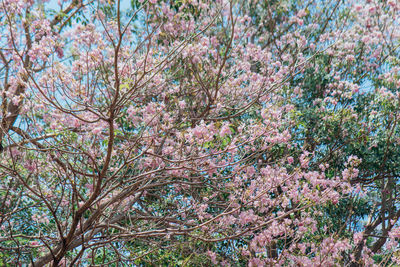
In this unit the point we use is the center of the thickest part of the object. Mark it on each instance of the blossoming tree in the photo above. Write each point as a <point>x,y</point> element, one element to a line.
<point>191,132</point>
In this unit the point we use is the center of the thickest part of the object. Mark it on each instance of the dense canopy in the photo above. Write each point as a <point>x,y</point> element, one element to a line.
<point>199,133</point>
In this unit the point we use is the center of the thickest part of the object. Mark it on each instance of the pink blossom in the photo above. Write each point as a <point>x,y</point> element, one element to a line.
<point>97,130</point>
<point>212,256</point>
<point>225,130</point>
